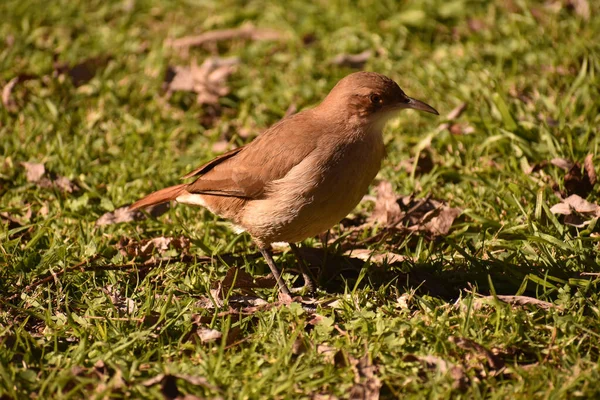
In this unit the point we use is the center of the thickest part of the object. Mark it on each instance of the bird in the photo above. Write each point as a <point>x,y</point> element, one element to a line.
<point>305,173</point>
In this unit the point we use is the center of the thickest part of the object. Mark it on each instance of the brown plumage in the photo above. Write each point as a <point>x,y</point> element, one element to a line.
<point>306,172</point>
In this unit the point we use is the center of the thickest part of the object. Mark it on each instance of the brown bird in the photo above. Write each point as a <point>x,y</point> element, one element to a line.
<point>305,173</point>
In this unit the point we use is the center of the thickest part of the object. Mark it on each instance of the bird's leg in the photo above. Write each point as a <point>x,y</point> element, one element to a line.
<point>309,280</point>
<point>266,252</point>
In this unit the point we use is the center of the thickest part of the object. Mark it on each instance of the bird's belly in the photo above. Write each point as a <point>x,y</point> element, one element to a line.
<point>311,200</point>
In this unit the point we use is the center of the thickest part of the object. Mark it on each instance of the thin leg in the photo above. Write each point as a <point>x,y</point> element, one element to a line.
<point>309,280</point>
<point>271,263</point>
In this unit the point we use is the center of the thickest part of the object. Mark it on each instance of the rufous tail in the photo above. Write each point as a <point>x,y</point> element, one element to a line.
<point>160,196</point>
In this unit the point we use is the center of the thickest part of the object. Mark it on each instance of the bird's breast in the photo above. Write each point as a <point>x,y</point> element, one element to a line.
<point>317,193</point>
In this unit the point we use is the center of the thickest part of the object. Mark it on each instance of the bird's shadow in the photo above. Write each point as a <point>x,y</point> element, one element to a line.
<point>444,279</point>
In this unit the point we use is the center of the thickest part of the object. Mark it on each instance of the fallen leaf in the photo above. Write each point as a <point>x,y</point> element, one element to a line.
<point>208,80</point>
<point>476,24</point>
<point>7,99</point>
<point>34,171</point>
<point>581,8</point>
<point>387,210</point>
<point>133,248</point>
<point>366,383</point>
<point>237,278</point>
<point>352,60</point>
<point>122,303</point>
<point>424,164</point>
<point>438,221</point>
<point>247,32</point>
<point>35,174</point>
<point>589,168</point>
<point>456,372</point>
<point>379,258</point>
<point>513,300</point>
<point>494,362</point>
<point>124,214</point>
<point>577,211</point>
<point>208,335</point>
<point>562,163</point>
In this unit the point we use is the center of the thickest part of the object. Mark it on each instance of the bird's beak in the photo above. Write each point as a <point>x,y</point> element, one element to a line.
<point>419,105</point>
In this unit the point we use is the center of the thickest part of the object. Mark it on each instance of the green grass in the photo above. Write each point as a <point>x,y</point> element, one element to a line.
<point>101,324</point>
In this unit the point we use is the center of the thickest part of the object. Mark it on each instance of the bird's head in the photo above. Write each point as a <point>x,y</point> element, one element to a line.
<point>365,98</point>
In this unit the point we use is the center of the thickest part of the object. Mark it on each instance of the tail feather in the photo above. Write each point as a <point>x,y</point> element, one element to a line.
<point>160,196</point>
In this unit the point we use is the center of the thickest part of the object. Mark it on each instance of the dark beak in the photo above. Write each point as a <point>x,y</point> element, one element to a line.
<point>419,105</point>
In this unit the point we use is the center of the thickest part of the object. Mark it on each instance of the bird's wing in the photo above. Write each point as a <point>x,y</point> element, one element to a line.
<point>246,172</point>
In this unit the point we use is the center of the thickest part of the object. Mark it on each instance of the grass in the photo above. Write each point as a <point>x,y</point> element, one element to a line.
<point>102,323</point>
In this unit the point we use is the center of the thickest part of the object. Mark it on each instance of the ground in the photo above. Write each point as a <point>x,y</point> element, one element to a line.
<point>470,271</point>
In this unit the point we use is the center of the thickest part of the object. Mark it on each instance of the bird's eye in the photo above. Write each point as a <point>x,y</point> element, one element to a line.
<point>376,99</point>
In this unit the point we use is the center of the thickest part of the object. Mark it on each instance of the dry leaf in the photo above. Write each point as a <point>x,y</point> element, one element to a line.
<point>208,80</point>
<point>513,300</point>
<point>589,168</point>
<point>438,221</point>
<point>237,278</point>
<point>379,258</point>
<point>124,214</point>
<point>133,248</point>
<point>387,211</point>
<point>35,174</point>
<point>7,99</point>
<point>581,8</point>
<point>352,60</point>
<point>562,163</point>
<point>457,372</point>
<point>35,171</point>
<point>366,384</point>
<point>577,204</point>
<point>208,335</point>
<point>494,362</point>
<point>247,32</point>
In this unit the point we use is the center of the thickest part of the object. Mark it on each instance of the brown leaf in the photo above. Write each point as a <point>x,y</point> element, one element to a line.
<point>387,211</point>
<point>65,185</point>
<point>456,372</point>
<point>438,222</point>
<point>237,278</point>
<point>247,32</point>
<point>590,171</point>
<point>133,248</point>
<point>83,71</point>
<point>208,80</point>
<point>581,8</point>
<point>207,335</point>
<point>34,171</point>
<point>514,300</point>
<point>366,383</point>
<point>562,163</point>
<point>577,204</point>
<point>7,99</point>
<point>352,60</point>
<point>124,214</point>
<point>379,258</point>
<point>494,362</point>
